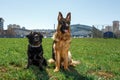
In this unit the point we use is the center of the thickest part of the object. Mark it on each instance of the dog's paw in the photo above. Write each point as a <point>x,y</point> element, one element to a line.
<point>51,61</point>
<point>41,68</point>
<point>27,66</point>
<point>67,69</point>
<point>56,70</point>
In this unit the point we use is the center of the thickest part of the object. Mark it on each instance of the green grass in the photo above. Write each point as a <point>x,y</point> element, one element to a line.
<point>99,60</point>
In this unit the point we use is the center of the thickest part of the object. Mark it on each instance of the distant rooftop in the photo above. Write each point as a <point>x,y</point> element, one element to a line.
<point>80,26</point>
<point>1,19</point>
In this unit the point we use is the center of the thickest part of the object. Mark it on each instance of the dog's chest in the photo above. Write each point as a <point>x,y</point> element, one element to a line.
<point>62,45</point>
<point>34,50</point>
<point>35,53</point>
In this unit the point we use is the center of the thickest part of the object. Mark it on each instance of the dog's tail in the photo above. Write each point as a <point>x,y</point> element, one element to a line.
<point>71,61</point>
<point>74,63</point>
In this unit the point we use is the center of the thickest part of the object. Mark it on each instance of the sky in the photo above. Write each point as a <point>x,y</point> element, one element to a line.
<point>42,14</point>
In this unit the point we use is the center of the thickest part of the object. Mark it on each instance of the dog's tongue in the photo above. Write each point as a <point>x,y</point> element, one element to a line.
<point>66,31</point>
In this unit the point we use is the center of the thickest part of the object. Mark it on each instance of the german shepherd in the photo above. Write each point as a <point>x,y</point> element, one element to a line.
<point>61,55</point>
<point>61,43</point>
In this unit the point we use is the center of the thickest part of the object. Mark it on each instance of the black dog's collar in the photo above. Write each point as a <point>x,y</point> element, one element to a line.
<point>35,46</point>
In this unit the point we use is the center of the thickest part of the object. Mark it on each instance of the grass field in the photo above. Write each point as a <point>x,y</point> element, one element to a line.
<point>99,60</point>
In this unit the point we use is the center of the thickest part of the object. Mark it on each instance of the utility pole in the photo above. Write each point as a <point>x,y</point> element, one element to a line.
<point>54,27</point>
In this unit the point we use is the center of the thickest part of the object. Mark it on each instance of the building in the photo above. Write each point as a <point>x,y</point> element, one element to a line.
<point>21,33</point>
<point>1,23</point>
<point>11,26</point>
<point>16,31</point>
<point>112,29</point>
<point>1,26</point>
<point>46,32</point>
<point>108,28</point>
<point>78,30</point>
<point>115,26</point>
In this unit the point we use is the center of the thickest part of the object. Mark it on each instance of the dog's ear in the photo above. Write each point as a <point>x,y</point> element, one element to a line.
<point>68,17</point>
<point>41,36</point>
<point>28,36</point>
<point>60,16</point>
<point>31,33</point>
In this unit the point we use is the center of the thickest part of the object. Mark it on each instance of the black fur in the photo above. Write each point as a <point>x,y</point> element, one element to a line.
<point>35,50</point>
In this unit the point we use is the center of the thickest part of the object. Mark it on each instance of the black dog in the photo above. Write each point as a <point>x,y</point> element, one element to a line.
<point>35,50</point>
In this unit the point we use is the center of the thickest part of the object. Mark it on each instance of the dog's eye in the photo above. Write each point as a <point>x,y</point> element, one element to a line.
<point>61,22</point>
<point>68,23</point>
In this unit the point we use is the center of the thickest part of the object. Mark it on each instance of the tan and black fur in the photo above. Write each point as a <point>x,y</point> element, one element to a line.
<point>61,55</point>
<point>61,43</point>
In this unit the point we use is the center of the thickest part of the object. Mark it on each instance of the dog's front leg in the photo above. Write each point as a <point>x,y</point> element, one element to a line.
<point>57,56</point>
<point>66,60</point>
<point>29,63</point>
<point>40,65</point>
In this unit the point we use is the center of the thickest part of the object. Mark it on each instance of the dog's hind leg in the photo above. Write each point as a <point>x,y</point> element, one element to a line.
<point>40,65</point>
<point>44,62</point>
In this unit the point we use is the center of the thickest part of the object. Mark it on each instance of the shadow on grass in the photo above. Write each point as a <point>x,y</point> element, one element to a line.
<point>40,75</point>
<point>74,75</point>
